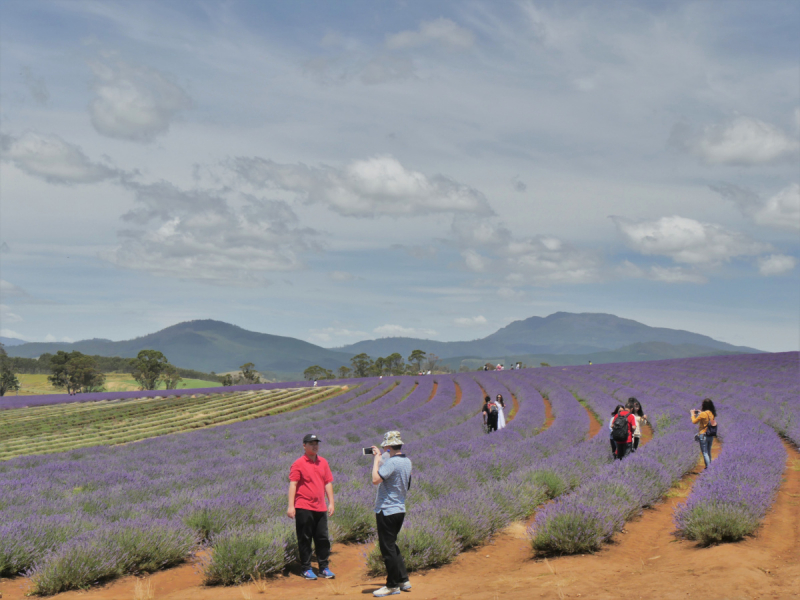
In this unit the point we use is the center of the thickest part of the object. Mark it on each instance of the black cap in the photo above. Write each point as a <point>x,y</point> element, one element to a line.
<point>310,437</point>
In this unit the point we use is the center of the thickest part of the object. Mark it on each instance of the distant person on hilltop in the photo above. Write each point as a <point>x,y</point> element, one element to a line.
<point>310,481</point>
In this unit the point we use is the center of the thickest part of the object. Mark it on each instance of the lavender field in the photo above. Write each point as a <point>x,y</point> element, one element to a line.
<point>75,518</point>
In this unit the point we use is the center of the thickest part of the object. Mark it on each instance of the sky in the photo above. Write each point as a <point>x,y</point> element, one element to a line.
<point>339,171</point>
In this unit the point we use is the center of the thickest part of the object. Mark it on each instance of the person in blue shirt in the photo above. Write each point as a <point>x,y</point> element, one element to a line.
<point>391,472</point>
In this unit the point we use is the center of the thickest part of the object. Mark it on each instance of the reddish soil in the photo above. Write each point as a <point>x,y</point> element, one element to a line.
<point>644,561</point>
<point>457,401</point>
<point>433,392</point>
<point>549,415</point>
<point>514,408</point>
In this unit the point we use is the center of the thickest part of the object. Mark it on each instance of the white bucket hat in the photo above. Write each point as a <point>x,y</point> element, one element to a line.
<point>391,438</point>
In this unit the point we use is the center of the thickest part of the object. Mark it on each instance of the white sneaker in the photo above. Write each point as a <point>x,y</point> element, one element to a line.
<point>386,591</point>
<point>405,586</point>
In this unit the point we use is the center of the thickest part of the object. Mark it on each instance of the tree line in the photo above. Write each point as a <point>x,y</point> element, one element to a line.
<point>82,373</point>
<point>362,365</point>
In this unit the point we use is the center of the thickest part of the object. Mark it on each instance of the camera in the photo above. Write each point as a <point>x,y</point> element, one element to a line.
<point>367,451</point>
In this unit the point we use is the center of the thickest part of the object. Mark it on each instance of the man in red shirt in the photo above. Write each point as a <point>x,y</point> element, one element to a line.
<point>310,481</point>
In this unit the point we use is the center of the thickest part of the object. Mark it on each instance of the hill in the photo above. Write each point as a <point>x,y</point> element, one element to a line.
<point>559,333</point>
<point>207,345</point>
<point>8,342</point>
<point>561,338</point>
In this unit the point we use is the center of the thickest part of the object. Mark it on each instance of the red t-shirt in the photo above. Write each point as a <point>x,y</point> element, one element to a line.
<point>311,478</point>
<point>631,424</point>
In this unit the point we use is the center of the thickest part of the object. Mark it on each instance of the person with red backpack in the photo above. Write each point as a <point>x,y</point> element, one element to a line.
<point>622,427</point>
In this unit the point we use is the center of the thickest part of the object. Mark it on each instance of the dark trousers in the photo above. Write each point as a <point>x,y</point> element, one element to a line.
<point>491,423</point>
<point>388,528</point>
<point>635,444</point>
<point>622,450</point>
<point>312,525</point>
<point>613,447</point>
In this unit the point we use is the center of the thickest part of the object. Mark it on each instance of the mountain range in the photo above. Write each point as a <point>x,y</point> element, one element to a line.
<point>559,339</point>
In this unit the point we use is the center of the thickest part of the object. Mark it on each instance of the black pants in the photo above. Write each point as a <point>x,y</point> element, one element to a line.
<point>388,528</point>
<point>622,450</point>
<point>491,423</point>
<point>312,524</point>
<point>635,444</point>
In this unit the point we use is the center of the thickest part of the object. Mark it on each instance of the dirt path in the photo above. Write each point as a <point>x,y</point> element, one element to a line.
<point>514,409</point>
<point>457,401</point>
<point>433,392</point>
<point>645,561</point>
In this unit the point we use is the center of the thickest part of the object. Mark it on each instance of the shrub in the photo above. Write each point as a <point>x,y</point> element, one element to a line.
<point>353,521</point>
<point>242,553</point>
<point>153,544</point>
<point>78,564</point>
<point>571,528</point>
<point>717,522</point>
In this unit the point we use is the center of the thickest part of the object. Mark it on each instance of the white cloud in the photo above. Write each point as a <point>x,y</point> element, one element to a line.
<point>739,141</point>
<point>134,102</point>
<point>507,293</point>
<point>50,158</point>
<point>475,262</point>
<point>776,264</point>
<point>686,240</point>
<point>6,316</point>
<point>336,335</point>
<point>9,290</point>
<point>781,211</point>
<point>440,31</point>
<point>470,321</point>
<point>400,331</point>
<point>205,236</point>
<point>10,333</point>
<point>366,188</point>
<point>675,275</point>
<point>342,276</point>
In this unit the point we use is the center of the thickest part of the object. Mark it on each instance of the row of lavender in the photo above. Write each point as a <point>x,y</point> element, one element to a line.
<point>734,494</point>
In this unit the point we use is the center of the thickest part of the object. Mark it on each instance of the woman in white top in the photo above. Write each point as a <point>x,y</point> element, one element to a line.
<point>501,416</point>
<point>635,407</point>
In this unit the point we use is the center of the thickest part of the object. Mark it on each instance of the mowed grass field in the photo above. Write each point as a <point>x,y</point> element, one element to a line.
<point>115,382</point>
<point>62,427</point>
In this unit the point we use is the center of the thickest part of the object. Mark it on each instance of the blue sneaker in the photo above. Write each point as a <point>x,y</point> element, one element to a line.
<point>309,574</point>
<point>327,573</point>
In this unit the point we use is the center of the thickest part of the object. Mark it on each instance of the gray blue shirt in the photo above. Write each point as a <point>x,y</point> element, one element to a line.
<point>395,472</point>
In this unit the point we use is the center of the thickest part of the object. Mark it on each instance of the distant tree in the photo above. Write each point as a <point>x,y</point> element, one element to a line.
<point>394,364</point>
<point>431,361</point>
<point>463,369</point>
<point>544,364</point>
<point>148,368</point>
<point>344,372</point>
<point>316,372</point>
<point>171,377</point>
<point>377,368</point>
<point>362,365</point>
<point>417,357</point>
<point>248,374</point>
<point>8,379</point>
<point>227,379</point>
<point>76,372</point>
